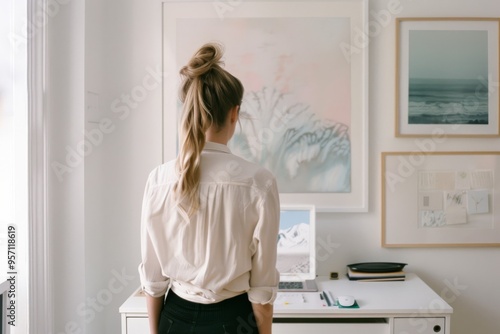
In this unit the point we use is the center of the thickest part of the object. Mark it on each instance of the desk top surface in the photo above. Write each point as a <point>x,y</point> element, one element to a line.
<point>409,297</point>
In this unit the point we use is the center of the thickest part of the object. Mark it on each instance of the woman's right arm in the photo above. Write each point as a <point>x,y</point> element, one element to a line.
<point>264,276</point>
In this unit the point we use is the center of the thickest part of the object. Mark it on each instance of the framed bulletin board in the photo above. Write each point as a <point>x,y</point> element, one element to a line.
<point>440,199</point>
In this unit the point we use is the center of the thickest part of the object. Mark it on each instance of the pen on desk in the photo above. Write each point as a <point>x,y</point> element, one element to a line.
<point>327,299</point>
<point>321,296</point>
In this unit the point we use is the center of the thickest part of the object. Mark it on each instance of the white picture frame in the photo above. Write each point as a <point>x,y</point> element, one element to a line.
<point>207,21</point>
<point>437,96</point>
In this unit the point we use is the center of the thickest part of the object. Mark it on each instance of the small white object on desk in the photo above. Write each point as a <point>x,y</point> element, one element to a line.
<point>289,298</point>
<point>346,301</point>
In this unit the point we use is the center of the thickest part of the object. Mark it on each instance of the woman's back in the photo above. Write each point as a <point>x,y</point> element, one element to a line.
<point>209,254</point>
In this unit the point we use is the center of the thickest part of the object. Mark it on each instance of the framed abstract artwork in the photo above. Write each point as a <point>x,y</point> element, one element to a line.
<point>304,67</point>
<point>440,199</point>
<point>447,74</point>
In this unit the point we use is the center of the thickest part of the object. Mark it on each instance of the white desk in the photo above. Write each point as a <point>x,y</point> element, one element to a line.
<point>405,307</point>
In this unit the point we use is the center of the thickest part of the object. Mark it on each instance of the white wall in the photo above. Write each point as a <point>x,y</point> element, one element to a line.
<point>123,48</point>
<point>476,301</point>
<point>105,48</point>
<point>109,47</point>
<point>65,103</point>
<point>465,277</point>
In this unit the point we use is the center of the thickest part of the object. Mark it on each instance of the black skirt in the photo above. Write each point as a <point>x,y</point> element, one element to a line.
<point>231,316</point>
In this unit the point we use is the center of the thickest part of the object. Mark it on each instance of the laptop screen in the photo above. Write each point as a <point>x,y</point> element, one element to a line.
<point>297,243</point>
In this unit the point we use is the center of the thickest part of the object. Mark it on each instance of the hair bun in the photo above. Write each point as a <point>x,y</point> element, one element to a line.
<point>206,58</point>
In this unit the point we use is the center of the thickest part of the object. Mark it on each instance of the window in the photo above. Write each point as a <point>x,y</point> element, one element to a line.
<point>14,162</point>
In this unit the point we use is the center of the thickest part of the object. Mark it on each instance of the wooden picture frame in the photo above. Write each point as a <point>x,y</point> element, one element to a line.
<point>447,74</point>
<point>440,199</point>
<point>314,135</point>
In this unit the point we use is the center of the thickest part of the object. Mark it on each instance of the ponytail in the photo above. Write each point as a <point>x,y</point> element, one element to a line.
<point>208,92</point>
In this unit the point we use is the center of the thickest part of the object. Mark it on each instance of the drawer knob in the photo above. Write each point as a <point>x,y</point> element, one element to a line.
<point>437,329</point>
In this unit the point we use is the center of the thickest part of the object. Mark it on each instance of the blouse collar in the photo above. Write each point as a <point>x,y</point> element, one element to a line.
<point>216,147</point>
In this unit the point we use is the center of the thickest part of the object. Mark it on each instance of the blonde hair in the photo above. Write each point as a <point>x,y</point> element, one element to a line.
<point>208,93</point>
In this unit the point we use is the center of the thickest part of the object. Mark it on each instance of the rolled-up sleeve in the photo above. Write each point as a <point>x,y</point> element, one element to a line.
<point>153,282</point>
<point>264,277</point>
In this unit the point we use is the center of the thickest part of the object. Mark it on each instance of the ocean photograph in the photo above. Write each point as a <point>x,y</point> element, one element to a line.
<point>448,71</point>
<point>447,101</point>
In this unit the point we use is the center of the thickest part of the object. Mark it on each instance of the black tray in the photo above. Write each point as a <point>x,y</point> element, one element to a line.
<point>377,267</point>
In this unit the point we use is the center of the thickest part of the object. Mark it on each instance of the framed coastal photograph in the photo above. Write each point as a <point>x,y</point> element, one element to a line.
<point>440,199</point>
<point>447,74</point>
<point>304,67</point>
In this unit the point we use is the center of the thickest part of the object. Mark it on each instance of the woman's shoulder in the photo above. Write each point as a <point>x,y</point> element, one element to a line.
<point>162,173</point>
<point>260,174</point>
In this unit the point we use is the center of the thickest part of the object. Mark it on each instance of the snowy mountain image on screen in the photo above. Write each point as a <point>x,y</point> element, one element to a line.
<point>294,238</point>
<point>293,249</point>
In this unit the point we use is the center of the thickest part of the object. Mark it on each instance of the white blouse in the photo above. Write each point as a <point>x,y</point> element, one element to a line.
<point>227,247</point>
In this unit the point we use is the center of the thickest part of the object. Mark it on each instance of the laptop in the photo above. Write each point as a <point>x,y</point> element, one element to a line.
<point>297,248</point>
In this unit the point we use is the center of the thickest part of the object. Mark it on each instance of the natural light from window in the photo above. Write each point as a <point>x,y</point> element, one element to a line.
<point>13,163</point>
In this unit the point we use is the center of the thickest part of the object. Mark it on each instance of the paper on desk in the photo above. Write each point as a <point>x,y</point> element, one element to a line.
<point>289,298</point>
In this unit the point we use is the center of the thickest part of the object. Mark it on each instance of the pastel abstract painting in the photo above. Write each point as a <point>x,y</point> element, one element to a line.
<point>295,117</point>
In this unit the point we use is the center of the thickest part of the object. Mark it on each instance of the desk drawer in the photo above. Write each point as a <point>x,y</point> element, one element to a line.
<point>419,325</point>
<point>328,326</point>
<point>139,325</point>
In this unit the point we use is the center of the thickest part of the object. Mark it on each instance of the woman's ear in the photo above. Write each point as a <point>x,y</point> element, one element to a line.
<point>233,114</point>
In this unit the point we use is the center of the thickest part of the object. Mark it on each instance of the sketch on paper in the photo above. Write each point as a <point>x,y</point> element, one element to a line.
<point>481,179</point>
<point>466,195</point>
<point>448,77</point>
<point>296,112</point>
<point>463,179</point>
<point>436,180</point>
<point>431,201</point>
<point>433,218</point>
<point>455,198</point>
<point>477,201</point>
<point>456,206</point>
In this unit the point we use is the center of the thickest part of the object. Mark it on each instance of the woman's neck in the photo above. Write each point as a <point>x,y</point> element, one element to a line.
<point>220,137</point>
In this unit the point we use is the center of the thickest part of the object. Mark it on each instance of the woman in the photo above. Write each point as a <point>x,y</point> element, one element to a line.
<point>209,219</point>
